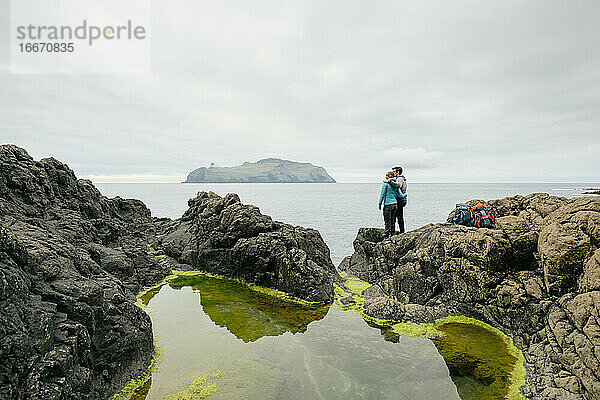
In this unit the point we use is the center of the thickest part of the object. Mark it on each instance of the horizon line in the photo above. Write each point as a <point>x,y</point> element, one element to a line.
<point>342,183</point>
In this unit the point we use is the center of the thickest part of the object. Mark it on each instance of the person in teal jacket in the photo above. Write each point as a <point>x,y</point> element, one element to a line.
<point>387,197</point>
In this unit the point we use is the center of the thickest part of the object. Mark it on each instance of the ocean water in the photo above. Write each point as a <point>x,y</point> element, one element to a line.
<point>337,211</point>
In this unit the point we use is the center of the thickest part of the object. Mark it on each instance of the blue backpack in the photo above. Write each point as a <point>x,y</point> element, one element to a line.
<point>463,215</point>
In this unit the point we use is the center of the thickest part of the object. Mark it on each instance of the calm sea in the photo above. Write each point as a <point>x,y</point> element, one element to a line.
<point>335,210</point>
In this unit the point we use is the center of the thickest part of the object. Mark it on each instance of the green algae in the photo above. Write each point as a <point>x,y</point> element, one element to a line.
<point>198,388</point>
<point>144,297</point>
<point>470,350</point>
<point>340,293</point>
<point>246,313</point>
<point>142,391</point>
<point>468,387</point>
<point>416,330</point>
<point>356,285</point>
<point>132,390</point>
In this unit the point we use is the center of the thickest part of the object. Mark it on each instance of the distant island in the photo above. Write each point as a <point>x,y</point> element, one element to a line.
<point>268,170</point>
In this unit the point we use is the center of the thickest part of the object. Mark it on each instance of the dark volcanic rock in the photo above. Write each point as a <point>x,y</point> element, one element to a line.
<point>223,236</point>
<point>71,261</point>
<point>536,277</point>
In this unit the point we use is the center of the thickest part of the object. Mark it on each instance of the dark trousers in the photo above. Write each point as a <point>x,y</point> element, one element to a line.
<point>400,218</point>
<point>389,219</point>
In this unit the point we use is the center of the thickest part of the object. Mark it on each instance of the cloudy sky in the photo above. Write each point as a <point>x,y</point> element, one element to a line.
<point>464,90</point>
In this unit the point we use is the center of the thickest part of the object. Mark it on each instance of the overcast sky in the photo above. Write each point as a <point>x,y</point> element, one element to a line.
<point>460,90</point>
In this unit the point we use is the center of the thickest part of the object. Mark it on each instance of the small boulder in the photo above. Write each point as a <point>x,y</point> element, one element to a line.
<point>384,308</point>
<point>347,300</point>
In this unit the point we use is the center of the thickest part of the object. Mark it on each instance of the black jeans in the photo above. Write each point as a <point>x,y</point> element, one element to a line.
<point>400,218</point>
<point>389,219</point>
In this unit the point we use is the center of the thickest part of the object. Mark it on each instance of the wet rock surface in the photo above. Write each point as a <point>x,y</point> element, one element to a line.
<point>72,262</point>
<point>536,277</point>
<point>223,236</point>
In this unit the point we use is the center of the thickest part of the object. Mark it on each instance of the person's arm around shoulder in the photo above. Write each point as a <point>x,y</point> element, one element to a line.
<point>393,183</point>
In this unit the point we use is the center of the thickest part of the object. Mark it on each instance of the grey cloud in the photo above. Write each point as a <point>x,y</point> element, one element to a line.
<point>508,86</point>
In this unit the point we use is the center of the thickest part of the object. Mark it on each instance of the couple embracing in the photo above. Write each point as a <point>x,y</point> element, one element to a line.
<point>393,198</point>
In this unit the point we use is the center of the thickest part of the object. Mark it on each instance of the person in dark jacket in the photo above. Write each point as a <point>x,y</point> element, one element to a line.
<point>398,182</point>
<point>387,197</point>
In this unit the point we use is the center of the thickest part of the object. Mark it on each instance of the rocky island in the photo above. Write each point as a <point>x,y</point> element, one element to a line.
<point>268,170</point>
<point>72,262</point>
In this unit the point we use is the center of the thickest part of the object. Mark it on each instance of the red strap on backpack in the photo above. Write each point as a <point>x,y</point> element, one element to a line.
<point>478,206</point>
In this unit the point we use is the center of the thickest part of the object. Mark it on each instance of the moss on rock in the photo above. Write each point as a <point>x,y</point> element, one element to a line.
<point>356,285</point>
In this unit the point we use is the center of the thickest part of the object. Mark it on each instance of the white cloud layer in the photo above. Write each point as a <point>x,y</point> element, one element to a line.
<point>466,90</point>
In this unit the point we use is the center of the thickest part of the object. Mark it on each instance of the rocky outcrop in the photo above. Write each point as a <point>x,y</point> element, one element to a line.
<point>223,236</point>
<point>72,262</point>
<point>536,277</point>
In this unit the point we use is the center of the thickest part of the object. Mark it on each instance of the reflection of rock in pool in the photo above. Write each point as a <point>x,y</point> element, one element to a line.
<point>471,350</point>
<point>247,314</point>
<point>478,359</point>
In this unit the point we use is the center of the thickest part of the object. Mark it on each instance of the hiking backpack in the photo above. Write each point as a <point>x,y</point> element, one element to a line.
<point>463,214</point>
<point>483,217</point>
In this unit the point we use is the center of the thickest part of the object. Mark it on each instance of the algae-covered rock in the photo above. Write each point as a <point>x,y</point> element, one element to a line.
<point>470,350</point>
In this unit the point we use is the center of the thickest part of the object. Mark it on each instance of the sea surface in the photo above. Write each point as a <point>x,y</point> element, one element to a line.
<point>338,210</point>
<point>220,340</point>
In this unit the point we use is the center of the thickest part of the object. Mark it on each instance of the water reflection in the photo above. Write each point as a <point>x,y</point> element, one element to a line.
<point>264,349</point>
<point>245,313</point>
